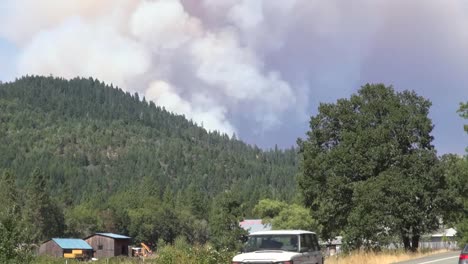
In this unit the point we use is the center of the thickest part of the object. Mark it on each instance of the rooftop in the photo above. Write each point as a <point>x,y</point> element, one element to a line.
<point>282,232</point>
<point>72,243</point>
<point>446,232</point>
<point>112,235</point>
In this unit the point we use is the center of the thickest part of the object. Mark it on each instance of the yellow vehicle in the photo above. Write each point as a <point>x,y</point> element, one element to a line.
<point>144,251</point>
<point>76,253</point>
<point>147,250</point>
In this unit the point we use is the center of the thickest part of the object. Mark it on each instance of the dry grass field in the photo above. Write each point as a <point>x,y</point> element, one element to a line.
<point>377,257</point>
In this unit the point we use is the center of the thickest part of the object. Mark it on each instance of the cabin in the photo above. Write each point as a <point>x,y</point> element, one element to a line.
<point>66,248</point>
<point>109,244</point>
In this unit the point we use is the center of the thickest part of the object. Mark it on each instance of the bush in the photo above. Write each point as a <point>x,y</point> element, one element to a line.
<point>180,252</point>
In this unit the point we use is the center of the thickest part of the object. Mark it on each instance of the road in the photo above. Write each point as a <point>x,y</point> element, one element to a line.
<point>442,258</point>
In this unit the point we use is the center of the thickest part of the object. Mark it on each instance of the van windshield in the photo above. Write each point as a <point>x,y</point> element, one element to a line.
<point>272,242</point>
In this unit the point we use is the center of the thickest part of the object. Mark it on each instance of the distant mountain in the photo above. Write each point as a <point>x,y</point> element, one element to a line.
<point>93,140</point>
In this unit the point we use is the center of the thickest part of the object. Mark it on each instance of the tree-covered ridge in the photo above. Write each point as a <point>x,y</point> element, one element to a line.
<point>108,157</point>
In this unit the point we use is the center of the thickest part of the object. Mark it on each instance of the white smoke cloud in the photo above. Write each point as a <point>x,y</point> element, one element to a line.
<point>21,20</point>
<point>205,112</point>
<point>164,25</point>
<point>66,52</point>
<point>232,63</point>
<point>123,41</point>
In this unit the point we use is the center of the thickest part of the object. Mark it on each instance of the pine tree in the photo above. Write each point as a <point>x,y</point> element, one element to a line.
<point>43,218</point>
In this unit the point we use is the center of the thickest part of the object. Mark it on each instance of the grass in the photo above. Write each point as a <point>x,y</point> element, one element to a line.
<point>377,257</point>
<point>182,253</point>
<point>177,254</point>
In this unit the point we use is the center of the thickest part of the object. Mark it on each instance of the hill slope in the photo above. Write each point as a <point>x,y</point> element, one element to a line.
<point>95,143</point>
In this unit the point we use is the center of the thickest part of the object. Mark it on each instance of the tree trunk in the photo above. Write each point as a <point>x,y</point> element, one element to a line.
<point>415,243</point>
<point>406,242</point>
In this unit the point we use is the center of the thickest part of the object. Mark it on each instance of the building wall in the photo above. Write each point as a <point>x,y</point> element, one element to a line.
<point>51,248</point>
<point>121,247</point>
<point>102,246</point>
<point>108,247</point>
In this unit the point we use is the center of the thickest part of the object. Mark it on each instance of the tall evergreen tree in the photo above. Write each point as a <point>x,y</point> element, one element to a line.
<point>43,217</point>
<point>12,249</point>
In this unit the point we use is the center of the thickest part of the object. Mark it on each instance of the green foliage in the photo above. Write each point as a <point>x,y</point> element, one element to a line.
<point>82,221</point>
<point>463,111</point>
<point>283,216</point>
<point>295,217</point>
<point>225,232</point>
<point>462,231</point>
<point>111,162</point>
<point>181,253</point>
<point>43,218</point>
<point>367,169</point>
<point>455,194</point>
<point>267,209</point>
<point>456,173</point>
<point>12,249</point>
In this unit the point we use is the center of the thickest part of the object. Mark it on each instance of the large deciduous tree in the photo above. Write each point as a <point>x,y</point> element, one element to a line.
<point>456,172</point>
<point>285,216</point>
<point>367,168</point>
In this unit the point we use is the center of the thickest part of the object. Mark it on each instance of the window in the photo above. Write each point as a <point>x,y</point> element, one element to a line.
<point>100,247</point>
<point>309,243</point>
<point>306,243</point>
<point>271,242</point>
<point>315,242</point>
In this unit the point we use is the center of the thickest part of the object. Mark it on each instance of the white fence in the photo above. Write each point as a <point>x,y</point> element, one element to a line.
<point>439,245</point>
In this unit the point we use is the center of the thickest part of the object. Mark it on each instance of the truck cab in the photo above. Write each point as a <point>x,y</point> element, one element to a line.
<point>280,247</point>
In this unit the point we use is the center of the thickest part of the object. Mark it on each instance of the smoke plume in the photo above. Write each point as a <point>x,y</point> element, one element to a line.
<point>244,66</point>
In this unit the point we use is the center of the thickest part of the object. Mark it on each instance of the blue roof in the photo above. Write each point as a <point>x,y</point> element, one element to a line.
<point>72,243</point>
<point>112,235</point>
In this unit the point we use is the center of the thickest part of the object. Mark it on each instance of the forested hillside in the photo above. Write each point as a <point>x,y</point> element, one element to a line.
<point>111,161</point>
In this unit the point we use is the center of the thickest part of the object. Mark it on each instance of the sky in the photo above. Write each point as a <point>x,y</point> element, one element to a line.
<point>254,68</point>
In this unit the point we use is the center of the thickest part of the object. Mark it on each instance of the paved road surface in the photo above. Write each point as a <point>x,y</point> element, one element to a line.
<point>442,258</point>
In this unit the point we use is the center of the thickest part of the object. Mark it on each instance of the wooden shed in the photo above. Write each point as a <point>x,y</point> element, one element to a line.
<point>109,244</point>
<point>66,248</point>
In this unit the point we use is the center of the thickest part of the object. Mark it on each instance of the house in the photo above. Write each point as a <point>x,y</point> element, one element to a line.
<point>109,244</point>
<point>444,239</point>
<point>333,246</point>
<point>66,248</point>
<point>254,225</point>
<point>444,236</point>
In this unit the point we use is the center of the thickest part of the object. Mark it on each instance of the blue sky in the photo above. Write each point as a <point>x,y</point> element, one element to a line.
<point>258,69</point>
<point>8,53</point>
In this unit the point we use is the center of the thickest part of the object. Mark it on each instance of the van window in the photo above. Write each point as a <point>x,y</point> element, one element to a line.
<point>271,242</point>
<point>306,243</point>
<point>310,242</point>
<point>315,242</point>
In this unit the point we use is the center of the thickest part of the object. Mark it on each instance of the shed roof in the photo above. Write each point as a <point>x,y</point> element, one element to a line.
<point>112,235</point>
<point>72,243</point>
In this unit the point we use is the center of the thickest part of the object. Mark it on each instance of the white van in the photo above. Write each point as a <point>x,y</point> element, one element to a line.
<point>281,247</point>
